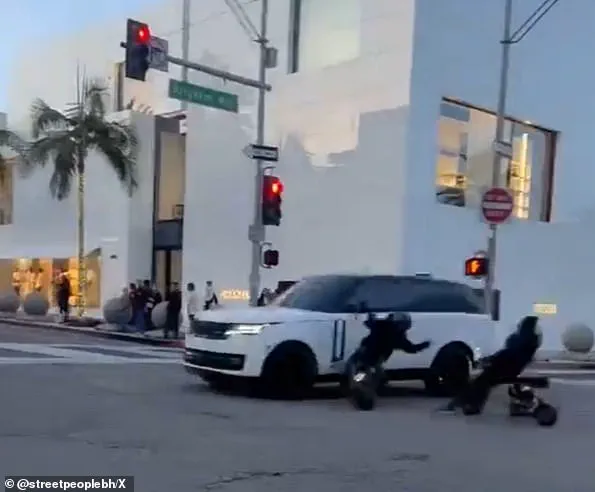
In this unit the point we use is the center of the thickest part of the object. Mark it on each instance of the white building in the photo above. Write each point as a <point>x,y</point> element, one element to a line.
<point>381,109</point>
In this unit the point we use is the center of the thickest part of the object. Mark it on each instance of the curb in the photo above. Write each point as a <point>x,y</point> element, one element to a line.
<point>94,332</point>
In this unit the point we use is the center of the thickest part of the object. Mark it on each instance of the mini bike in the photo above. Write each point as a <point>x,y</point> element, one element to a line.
<point>362,383</point>
<point>525,403</point>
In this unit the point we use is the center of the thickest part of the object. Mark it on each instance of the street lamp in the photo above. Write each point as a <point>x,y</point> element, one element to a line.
<point>508,40</point>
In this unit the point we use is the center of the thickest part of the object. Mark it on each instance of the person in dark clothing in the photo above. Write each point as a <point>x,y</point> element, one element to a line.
<point>502,367</point>
<point>387,335</point>
<point>150,300</point>
<point>174,307</point>
<point>63,293</point>
<point>138,299</point>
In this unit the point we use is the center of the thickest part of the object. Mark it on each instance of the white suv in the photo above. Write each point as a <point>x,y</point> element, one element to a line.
<point>309,332</point>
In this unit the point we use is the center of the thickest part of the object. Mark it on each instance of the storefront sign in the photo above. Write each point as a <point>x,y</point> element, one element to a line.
<point>234,295</point>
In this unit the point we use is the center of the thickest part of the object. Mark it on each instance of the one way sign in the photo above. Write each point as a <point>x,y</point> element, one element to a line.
<point>262,152</point>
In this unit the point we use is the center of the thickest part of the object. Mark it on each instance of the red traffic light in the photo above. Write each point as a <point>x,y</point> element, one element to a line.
<point>143,35</point>
<point>476,266</point>
<point>272,186</point>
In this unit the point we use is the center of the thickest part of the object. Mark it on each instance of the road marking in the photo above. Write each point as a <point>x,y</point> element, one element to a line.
<point>59,354</point>
<point>574,382</point>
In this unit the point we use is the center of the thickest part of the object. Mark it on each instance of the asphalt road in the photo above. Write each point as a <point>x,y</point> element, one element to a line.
<point>140,414</point>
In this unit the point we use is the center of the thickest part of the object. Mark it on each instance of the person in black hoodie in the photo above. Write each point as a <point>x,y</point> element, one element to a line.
<point>500,368</point>
<point>174,307</point>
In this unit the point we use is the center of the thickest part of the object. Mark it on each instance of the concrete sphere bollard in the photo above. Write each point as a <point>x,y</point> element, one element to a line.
<point>579,338</point>
<point>9,302</point>
<point>117,311</point>
<point>159,315</point>
<point>36,304</point>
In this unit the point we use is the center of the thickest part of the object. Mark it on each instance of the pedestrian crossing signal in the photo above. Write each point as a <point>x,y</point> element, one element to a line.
<point>476,266</point>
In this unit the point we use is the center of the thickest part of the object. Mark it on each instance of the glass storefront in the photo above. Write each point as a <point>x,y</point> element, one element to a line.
<point>26,275</point>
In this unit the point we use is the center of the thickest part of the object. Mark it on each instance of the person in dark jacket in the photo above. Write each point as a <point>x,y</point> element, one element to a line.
<point>174,307</point>
<point>390,334</point>
<point>138,299</point>
<point>502,367</point>
<point>63,293</point>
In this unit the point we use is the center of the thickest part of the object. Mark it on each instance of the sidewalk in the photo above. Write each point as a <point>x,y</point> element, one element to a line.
<point>101,330</point>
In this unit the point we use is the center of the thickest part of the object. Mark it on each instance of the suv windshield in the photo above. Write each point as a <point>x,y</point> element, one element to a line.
<point>325,294</point>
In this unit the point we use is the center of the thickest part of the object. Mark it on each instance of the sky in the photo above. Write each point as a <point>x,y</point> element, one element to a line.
<point>31,21</point>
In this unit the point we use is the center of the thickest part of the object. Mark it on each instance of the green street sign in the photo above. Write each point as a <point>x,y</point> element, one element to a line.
<point>192,93</point>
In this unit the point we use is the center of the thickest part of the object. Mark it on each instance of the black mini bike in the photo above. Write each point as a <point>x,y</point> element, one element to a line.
<point>525,403</point>
<point>364,373</point>
<point>363,380</point>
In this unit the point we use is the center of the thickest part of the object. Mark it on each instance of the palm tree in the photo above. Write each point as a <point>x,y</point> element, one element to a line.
<point>65,139</point>
<point>15,144</point>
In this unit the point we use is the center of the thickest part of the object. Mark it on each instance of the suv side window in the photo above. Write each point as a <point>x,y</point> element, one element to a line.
<point>384,294</point>
<point>445,298</point>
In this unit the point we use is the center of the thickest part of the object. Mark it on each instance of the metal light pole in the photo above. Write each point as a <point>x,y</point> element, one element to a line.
<point>497,163</point>
<point>258,228</point>
<point>508,39</point>
<point>185,43</point>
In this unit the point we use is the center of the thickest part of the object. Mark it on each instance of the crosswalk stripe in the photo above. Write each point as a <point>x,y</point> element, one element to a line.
<point>59,354</point>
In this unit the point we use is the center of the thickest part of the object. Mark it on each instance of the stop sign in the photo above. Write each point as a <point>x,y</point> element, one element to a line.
<point>496,205</point>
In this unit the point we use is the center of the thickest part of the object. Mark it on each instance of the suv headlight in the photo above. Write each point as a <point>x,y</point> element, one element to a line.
<point>245,330</point>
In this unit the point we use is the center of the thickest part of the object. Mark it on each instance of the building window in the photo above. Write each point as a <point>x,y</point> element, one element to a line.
<point>465,160</point>
<point>6,194</point>
<point>323,33</point>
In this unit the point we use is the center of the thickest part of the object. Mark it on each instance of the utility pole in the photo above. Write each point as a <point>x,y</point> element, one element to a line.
<point>185,44</point>
<point>497,162</point>
<point>507,41</point>
<point>259,235</point>
<point>266,60</point>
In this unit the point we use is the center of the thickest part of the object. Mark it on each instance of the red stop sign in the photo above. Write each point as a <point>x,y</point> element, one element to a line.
<point>496,205</point>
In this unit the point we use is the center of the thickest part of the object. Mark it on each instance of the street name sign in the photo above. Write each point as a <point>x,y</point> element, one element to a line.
<point>204,96</point>
<point>262,152</point>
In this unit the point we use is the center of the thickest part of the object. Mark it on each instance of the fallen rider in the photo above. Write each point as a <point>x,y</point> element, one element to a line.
<point>500,368</point>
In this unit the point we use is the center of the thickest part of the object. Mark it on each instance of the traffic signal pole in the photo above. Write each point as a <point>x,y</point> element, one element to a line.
<point>507,41</point>
<point>496,165</point>
<point>259,231</point>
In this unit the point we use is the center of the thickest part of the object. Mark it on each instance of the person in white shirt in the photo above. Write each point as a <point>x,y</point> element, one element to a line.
<point>192,301</point>
<point>211,300</point>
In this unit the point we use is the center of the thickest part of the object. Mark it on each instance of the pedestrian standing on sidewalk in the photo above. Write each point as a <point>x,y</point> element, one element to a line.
<point>63,293</point>
<point>192,302</point>
<point>211,300</point>
<point>139,305</point>
<point>174,307</point>
<point>150,298</point>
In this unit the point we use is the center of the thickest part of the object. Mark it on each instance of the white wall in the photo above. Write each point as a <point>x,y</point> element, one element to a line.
<point>341,131</point>
<point>550,85</point>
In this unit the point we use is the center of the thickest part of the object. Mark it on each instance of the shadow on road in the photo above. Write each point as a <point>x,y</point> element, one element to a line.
<point>319,392</point>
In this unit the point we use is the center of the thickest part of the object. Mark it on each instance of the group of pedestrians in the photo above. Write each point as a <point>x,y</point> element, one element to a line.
<point>144,298</point>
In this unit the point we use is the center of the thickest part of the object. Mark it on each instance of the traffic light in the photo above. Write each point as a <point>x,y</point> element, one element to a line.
<point>476,266</point>
<point>272,191</point>
<point>138,49</point>
<point>270,258</point>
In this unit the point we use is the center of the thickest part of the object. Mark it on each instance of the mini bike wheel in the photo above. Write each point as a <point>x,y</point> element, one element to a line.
<point>362,394</point>
<point>546,415</point>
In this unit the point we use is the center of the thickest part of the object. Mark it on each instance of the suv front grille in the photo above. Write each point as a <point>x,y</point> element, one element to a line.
<point>210,329</point>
